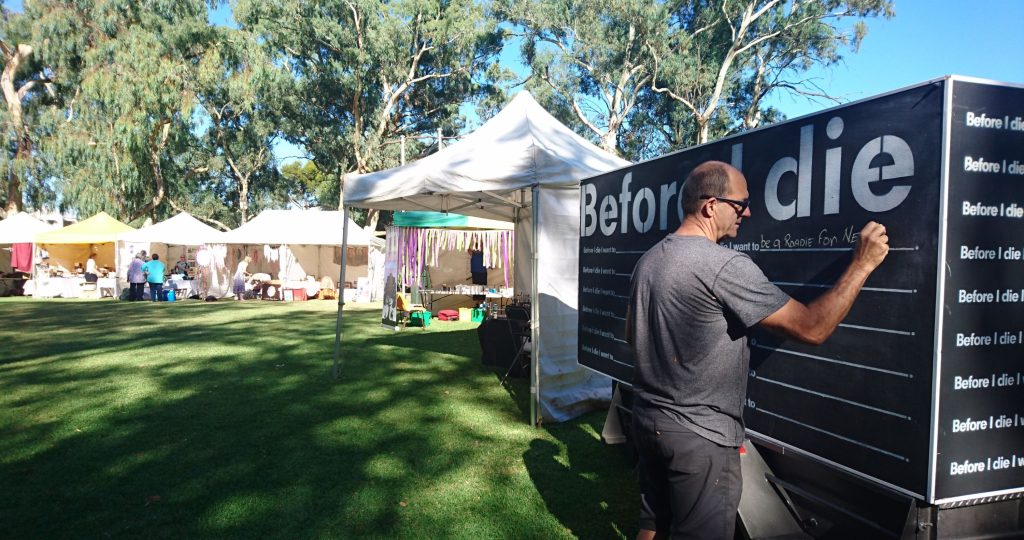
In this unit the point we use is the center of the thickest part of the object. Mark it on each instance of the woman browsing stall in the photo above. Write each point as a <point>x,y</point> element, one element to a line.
<point>241,274</point>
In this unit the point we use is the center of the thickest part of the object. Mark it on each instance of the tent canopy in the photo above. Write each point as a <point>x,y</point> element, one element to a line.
<point>522,166</point>
<point>489,172</point>
<point>448,221</point>
<point>21,228</point>
<point>99,229</point>
<point>180,230</point>
<point>299,227</point>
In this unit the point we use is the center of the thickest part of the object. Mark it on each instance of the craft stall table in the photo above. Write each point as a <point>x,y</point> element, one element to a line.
<point>55,287</point>
<point>183,288</point>
<point>429,296</point>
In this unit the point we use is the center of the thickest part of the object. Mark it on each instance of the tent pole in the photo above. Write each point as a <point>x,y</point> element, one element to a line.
<point>534,319</point>
<point>117,269</point>
<point>341,290</point>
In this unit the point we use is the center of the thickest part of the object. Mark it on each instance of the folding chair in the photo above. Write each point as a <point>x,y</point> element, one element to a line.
<point>518,318</point>
<point>405,309</point>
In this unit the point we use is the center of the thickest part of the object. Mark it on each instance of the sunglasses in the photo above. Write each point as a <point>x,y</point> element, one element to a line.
<point>741,206</point>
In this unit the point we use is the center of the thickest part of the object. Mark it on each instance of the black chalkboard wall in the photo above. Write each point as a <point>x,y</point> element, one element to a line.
<point>920,387</point>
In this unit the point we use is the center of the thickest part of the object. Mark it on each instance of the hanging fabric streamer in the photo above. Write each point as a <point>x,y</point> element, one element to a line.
<point>422,248</point>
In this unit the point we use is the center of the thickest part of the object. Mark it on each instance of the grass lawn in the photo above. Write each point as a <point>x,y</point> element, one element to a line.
<point>221,420</point>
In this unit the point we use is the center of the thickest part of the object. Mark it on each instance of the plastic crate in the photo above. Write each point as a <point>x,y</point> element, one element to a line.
<point>420,318</point>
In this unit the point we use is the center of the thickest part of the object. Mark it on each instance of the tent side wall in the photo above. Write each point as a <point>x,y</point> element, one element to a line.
<point>567,389</point>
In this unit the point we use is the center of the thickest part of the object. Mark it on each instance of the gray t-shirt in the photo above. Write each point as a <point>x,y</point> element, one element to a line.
<point>691,305</point>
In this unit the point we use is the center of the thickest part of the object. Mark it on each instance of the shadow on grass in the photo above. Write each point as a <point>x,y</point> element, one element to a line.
<point>221,420</point>
<point>590,487</point>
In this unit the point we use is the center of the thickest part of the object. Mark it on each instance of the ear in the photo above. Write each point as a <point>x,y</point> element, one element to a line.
<point>705,209</point>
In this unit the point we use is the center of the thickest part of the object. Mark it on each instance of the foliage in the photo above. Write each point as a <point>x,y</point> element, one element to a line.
<point>239,92</point>
<point>592,56</point>
<point>708,63</point>
<point>29,96</point>
<point>721,58</point>
<point>368,72</point>
<point>127,73</point>
<point>144,109</point>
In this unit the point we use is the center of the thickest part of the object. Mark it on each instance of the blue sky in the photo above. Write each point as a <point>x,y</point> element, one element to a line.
<point>927,39</point>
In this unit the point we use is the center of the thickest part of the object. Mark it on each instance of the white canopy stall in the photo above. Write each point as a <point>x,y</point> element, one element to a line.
<point>310,244</point>
<point>17,248</point>
<point>522,166</point>
<point>21,228</point>
<point>182,237</point>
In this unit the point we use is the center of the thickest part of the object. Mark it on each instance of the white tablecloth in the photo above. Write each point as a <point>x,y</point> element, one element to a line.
<point>54,287</point>
<point>184,288</point>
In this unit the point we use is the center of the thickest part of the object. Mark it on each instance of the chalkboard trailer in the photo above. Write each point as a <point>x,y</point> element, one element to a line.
<point>919,389</point>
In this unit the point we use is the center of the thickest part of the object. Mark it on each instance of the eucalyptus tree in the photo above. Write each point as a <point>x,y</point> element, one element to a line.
<point>238,89</point>
<point>593,56</point>
<point>368,72</point>
<point>127,72</point>
<point>722,52</point>
<point>28,92</point>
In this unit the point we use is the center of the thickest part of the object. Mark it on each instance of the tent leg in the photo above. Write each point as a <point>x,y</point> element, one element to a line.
<point>117,270</point>
<point>534,322</point>
<point>341,289</point>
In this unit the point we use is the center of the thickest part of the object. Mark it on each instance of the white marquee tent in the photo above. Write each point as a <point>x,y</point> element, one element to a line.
<point>522,166</point>
<point>308,239</point>
<point>182,231</point>
<point>299,227</point>
<point>21,228</point>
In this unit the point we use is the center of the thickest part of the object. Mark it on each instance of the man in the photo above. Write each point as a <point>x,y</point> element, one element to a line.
<point>154,272</point>
<point>692,303</point>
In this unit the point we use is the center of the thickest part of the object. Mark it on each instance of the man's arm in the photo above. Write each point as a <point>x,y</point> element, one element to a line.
<point>814,323</point>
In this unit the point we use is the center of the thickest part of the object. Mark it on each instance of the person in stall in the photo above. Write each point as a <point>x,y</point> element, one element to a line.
<point>154,272</point>
<point>241,274</point>
<point>136,278</point>
<point>91,275</point>
<point>181,267</point>
<point>43,268</point>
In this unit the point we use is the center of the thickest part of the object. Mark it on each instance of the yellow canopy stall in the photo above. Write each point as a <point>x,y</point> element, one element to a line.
<point>75,242</point>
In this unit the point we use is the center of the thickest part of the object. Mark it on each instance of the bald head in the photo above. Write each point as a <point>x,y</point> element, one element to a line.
<point>711,179</point>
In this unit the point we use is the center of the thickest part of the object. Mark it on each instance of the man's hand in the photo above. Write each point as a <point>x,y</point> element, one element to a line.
<point>872,247</point>
<point>816,321</point>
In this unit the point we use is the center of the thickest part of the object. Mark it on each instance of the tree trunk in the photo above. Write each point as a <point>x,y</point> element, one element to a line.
<point>14,56</point>
<point>372,216</point>
<point>610,141</point>
<point>243,199</point>
<point>703,129</point>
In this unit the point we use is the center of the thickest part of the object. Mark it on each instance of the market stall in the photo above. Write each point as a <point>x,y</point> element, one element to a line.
<point>192,250</point>
<point>525,167</point>
<point>452,259</point>
<point>74,244</point>
<point>17,250</point>
<point>297,249</point>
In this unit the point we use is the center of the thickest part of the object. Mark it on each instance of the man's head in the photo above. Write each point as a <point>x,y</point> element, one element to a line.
<point>156,256</point>
<point>715,194</point>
